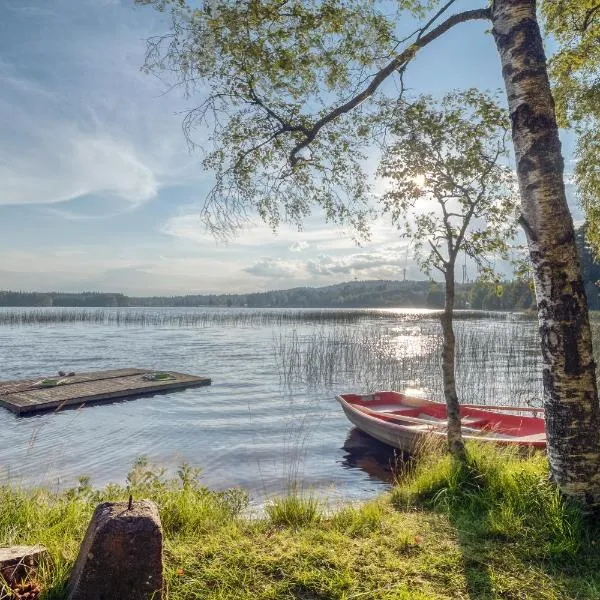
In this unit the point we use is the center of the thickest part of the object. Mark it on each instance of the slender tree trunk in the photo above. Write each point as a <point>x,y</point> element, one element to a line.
<point>455,441</point>
<point>570,394</point>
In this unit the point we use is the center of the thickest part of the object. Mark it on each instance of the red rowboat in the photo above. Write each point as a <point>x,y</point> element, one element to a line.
<point>401,421</point>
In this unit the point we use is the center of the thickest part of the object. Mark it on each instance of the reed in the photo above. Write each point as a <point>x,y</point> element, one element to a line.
<point>207,317</point>
<point>496,363</point>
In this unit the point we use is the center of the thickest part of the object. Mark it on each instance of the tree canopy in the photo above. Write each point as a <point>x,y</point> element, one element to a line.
<point>450,192</point>
<point>291,95</point>
<point>451,189</point>
<point>575,69</point>
<point>274,77</point>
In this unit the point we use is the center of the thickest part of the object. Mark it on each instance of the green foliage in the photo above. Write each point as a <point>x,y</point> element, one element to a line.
<point>590,269</point>
<point>294,511</point>
<point>493,529</point>
<point>265,67</point>
<point>510,295</point>
<point>449,189</point>
<point>502,495</point>
<point>575,70</point>
<point>435,296</point>
<point>286,89</point>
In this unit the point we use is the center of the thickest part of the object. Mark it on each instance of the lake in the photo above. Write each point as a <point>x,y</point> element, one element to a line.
<point>270,420</point>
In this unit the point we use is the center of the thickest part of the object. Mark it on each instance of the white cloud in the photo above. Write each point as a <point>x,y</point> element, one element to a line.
<point>299,246</point>
<point>93,124</point>
<point>276,267</point>
<point>137,272</point>
<point>377,263</point>
<point>188,227</point>
<point>317,234</point>
<point>77,165</point>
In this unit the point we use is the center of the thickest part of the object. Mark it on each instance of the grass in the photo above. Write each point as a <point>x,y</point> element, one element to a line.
<point>294,511</point>
<point>495,528</point>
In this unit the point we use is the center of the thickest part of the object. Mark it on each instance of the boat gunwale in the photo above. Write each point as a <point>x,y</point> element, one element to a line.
<point>531,440</point>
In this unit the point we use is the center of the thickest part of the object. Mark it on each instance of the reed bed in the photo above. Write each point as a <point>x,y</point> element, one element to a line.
<point>498,363</point>
<point>207,317</point>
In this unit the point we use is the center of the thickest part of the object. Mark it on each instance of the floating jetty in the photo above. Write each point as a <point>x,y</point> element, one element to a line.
<point>26,396</point>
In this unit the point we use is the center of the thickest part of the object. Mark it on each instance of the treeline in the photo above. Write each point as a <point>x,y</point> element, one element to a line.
<point>352,294</point>
<point>518,295</point>
<point>508,295</point>
<point>89,299</point>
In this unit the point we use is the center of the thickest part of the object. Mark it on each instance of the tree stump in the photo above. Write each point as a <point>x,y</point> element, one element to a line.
<point>121,555</point>
<point>18,564</point>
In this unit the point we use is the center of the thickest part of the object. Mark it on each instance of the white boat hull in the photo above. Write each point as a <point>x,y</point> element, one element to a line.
<point>398,436</point>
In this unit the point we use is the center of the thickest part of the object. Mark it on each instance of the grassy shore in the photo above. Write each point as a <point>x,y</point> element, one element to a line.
<point>494,529</point>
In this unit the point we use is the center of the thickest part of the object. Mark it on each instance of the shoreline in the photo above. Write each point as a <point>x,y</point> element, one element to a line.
<point>497,529</point>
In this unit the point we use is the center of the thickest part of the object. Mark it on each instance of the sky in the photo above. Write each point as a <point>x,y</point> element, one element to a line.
<point>99,191</point>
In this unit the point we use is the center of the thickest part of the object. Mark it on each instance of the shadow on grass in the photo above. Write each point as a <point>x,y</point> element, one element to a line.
<point>517,536</point>
<point>496,565</point>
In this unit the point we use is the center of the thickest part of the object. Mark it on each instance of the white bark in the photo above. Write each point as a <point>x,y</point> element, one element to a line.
<point>570,394</point>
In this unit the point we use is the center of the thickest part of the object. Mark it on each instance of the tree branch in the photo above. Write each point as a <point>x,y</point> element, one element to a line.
<point>438,254</point>
<point>589,15</point>
<point>398,63</point>
<point>433,19</point>
<point>285,126</point>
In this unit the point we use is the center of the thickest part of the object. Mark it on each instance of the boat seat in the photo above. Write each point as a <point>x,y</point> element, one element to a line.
<point>475,422</point>
<point>407,412</point>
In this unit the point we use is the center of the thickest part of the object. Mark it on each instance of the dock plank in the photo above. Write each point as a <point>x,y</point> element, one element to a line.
<point>19,385</point>
<point>26,396</point>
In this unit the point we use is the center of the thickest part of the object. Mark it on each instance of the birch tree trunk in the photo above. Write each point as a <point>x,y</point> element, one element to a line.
<point>570,394</point>
<point>456,445</point>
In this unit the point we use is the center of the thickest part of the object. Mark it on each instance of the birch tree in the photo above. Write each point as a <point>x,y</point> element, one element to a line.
<point>286,90</point>
<point>450,191</point>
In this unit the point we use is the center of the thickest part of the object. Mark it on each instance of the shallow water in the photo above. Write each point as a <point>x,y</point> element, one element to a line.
<point>269,420</point>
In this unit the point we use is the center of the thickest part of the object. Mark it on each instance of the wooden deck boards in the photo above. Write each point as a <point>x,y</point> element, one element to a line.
<point>26,396</point>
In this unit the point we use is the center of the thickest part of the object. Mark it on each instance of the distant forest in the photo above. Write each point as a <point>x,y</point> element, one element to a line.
<point>352,294</point>
<point>509,295</point>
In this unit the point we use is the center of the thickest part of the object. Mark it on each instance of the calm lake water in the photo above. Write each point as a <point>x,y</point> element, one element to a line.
<point>270,419</point>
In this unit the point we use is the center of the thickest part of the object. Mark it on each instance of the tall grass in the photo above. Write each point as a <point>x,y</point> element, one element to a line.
<point>294,510</point>
<point>495,528</point>
<point>498,363</point>
<point>500,493</point>
<point>206,317</point>
<point>59,520</point>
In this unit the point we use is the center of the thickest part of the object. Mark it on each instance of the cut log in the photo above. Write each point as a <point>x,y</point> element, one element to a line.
<point>17,562</point>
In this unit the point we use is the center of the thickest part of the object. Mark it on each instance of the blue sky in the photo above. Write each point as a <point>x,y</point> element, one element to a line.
<point>99,191</point>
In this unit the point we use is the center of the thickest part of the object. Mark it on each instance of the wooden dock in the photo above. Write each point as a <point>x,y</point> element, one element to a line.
<point>26,396</point>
